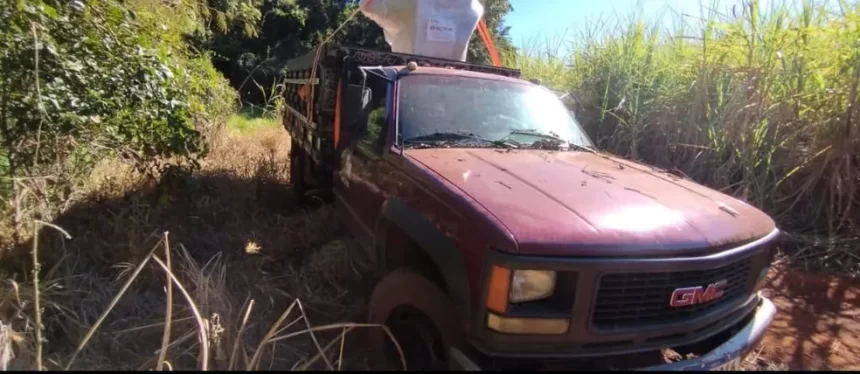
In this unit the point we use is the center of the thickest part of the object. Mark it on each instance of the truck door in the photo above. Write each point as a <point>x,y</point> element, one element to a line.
<point>358,189</point>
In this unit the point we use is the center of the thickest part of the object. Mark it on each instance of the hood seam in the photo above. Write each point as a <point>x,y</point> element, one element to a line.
<point>542,192</point>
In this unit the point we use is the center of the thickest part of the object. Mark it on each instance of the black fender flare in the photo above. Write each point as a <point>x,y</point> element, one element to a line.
<point>444,252</point>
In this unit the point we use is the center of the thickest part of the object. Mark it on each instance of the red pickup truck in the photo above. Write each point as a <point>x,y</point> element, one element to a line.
<point>504,239</point>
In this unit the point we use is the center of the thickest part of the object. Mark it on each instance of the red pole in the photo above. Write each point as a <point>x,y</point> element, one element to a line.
<point>488,42</point>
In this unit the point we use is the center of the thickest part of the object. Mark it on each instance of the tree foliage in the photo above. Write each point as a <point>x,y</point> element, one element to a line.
<point>261,41</point>
<point>83,79</point>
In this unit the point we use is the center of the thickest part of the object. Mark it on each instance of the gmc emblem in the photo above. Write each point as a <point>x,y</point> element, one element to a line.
<point>697,295</point>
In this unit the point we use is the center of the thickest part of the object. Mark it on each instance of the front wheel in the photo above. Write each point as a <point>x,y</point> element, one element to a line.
<point>419,315</point>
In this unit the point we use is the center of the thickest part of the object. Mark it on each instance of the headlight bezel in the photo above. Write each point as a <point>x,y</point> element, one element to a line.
<point>537,313</point>
<point>501,295</point>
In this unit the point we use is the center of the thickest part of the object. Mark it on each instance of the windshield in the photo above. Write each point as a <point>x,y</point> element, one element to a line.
<point>462,111</point>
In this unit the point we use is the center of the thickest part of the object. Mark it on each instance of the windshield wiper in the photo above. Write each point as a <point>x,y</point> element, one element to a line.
<point>582,147</point>
<point>552,136</point>
<point>537,133</point>
<point>459,135</point>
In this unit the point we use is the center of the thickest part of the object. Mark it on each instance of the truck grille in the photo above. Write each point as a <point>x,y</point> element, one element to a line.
<point>635,300</point>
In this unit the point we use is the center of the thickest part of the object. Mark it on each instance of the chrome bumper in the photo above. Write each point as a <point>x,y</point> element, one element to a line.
<point>738,346</point>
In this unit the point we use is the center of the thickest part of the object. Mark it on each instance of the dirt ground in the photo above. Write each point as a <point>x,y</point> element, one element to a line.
<point>817,326</point>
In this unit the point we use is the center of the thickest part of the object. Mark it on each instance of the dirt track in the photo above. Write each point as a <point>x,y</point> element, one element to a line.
<point>817,326</point>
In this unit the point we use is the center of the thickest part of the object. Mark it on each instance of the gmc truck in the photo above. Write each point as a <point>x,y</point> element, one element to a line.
<point>504,239</point>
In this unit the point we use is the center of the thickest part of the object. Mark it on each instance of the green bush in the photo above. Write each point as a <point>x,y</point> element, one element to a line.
<point>83,80</point>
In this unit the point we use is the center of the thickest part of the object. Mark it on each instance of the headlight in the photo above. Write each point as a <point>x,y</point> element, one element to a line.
<point>530,285</point>
<point>517,286</point>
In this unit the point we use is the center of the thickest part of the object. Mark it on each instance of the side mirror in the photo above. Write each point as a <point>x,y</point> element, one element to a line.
<point>353,108</point>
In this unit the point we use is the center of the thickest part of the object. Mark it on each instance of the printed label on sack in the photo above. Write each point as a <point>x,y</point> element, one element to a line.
<point>441,30</point>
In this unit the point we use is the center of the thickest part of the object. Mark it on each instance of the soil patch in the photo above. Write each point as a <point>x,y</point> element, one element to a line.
<point>817,326</point>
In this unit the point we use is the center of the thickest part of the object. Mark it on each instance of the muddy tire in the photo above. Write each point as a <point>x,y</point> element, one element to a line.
<point>421,317</point>
<point>298,161</point>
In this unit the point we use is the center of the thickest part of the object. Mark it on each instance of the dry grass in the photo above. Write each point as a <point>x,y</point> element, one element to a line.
<point>756,362</point>
<point>214,270</point>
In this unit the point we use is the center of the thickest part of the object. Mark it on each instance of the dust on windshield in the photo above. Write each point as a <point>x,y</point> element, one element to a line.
<point>456,111</point>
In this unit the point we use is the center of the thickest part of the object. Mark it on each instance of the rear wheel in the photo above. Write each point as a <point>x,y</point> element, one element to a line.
<point>419,315</point>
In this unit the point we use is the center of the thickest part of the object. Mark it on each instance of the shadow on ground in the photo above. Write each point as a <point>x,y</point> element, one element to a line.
<point>818,322</point>
<point>231,239</point>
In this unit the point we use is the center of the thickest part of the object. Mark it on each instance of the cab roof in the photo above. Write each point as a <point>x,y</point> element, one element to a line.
<point>434,70</point>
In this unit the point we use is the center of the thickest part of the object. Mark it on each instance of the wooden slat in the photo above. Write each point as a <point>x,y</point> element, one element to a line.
<point>301,117</point>
<point>314,81</point>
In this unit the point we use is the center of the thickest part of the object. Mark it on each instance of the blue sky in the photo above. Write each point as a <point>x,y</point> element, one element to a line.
<point>534,20</point>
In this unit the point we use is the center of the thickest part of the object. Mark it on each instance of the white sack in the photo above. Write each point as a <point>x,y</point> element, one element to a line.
<point>435,28</point>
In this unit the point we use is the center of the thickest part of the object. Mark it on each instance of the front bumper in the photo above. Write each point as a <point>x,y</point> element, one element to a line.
<point>578,290</point>
<point>736,347</point>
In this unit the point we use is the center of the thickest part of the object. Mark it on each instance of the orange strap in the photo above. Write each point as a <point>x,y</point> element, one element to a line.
<point>337,113</point>
<point>484,33</point>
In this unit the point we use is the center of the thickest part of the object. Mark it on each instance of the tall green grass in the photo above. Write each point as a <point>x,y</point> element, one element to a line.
<point>757,102</point>
<point>250,120</point>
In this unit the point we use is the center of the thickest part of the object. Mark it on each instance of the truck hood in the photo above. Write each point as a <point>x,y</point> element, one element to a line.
<point>590,204</point>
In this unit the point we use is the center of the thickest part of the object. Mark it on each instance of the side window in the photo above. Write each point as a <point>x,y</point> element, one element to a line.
<point>377,128</point>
